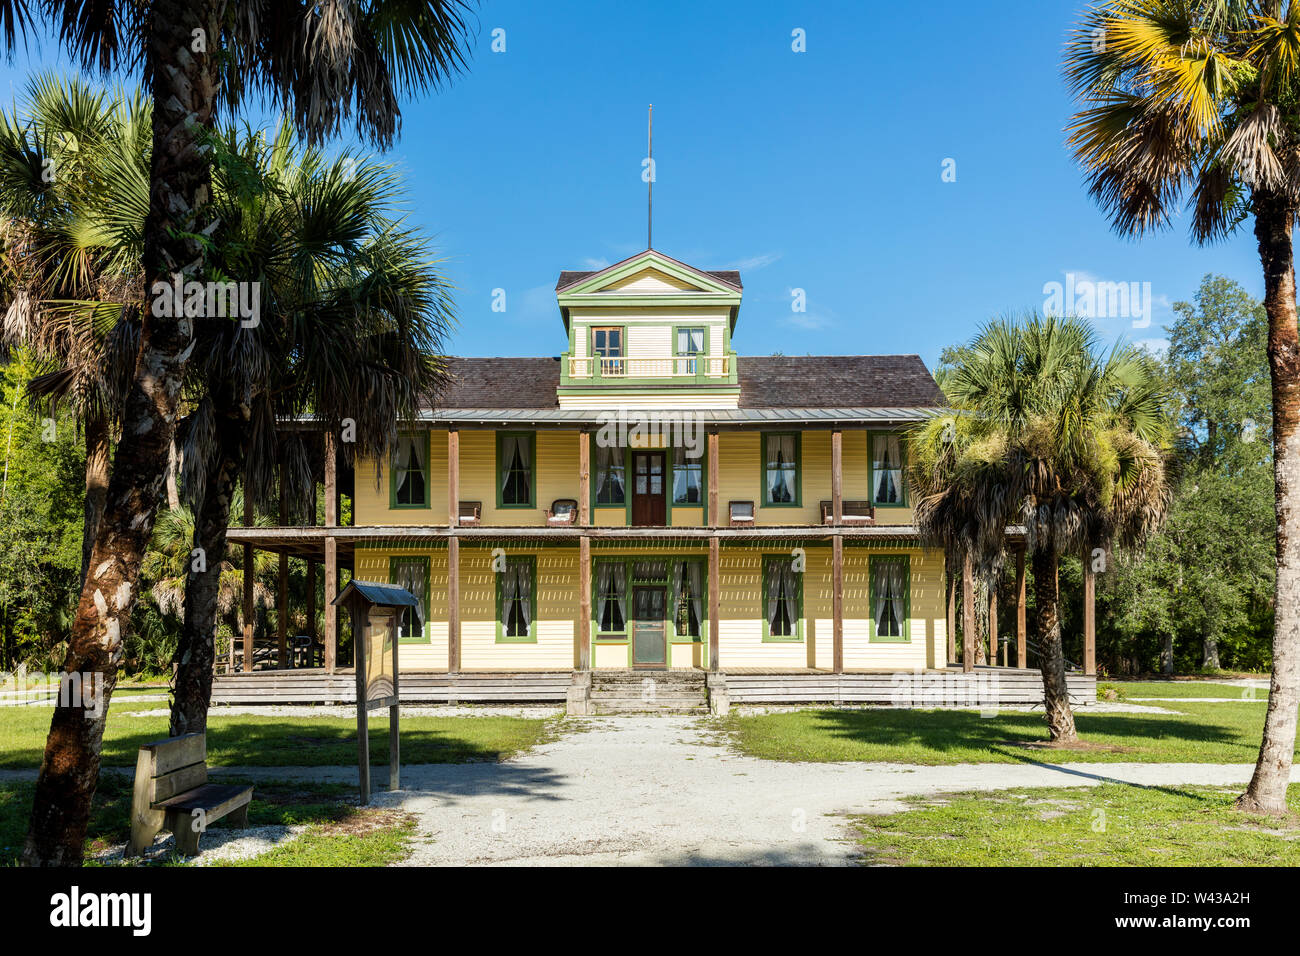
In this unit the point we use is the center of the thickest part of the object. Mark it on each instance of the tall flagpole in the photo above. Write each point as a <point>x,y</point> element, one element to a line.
<point>650,183</point>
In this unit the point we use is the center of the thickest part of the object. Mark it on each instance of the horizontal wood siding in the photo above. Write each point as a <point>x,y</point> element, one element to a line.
<point>557,612</point>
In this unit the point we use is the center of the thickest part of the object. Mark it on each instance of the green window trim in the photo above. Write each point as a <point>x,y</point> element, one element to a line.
<point>428,475</point>
<point>532,467</point>
<point>502,637</point>
<point>612,637</point>
<point>871,470</point>
<point>762,471</point>
<point>798,635</point>
<point>617,639</point>
<point>393,562</point>
<point>905,627</point>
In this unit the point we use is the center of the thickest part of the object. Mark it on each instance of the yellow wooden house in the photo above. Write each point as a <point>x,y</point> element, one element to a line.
<point>647,503</point>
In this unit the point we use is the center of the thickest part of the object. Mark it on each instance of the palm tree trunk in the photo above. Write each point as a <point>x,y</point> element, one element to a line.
<point>173,487</point>
<point>183,86</point>
<point>1056,693</point>
<point>1267,790</point>
<point>194,654</point>
<point>97,470</point>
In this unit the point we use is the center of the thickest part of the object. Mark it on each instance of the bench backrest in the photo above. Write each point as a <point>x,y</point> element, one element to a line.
<point>856,509</point>
<point>165,768</point>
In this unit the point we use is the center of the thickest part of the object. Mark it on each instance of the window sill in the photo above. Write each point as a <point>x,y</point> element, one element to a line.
<point>516,640</point>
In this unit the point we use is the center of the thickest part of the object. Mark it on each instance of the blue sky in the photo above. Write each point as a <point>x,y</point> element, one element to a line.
<point>818,170</point>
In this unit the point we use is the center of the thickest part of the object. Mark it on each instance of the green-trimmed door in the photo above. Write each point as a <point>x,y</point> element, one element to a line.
<point>649,640</point>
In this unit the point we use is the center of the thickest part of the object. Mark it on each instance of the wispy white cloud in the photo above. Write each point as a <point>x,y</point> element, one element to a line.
<point>595,265</point>
<point>753,263</point>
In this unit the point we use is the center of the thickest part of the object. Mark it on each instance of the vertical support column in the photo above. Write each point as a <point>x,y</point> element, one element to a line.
<point>584,481</point>
<point>1089,613</point>
<point>993,624</point>
<point>394,715</point>
<point>311,612</point>
<point>837,481</point>
<point>282,585</point>
<point>583,637</point>
<point>713,479</point>
<point>715,603</point>
<point>249,580</point>
<point>331,555</point>
<point>950,578</point>
<point>363,716</point>
<point>1022,648</point>
<point>453,605</point>
<point>453,477</point>
<point>837,598</point>
<point>967,616</point>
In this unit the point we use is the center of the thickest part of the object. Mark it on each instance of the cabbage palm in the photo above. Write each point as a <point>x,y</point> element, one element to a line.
<point>1200,98</point>
<point>73,190</point>
<point>327,62</point>
<point>1050,433</point>
<point>354,314</point>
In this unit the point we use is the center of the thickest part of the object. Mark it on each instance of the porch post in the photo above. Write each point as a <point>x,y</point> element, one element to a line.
<point>837,481</point>
<point>453,477</point>
<point>331,556</point>
<point>282,598</point>
<point>1089,613</point>
<point>583,637</point>
<point>584,481</point>
<point>967,615</point>
<point>249,579</point>
<point>1022,650</point>
<point>837,594</point>
<point>453,605</point>
<point>714,593</point>
<point>951,579</point>
<point>713,479</point>
<point>311,612</point>
<point>993,624</point>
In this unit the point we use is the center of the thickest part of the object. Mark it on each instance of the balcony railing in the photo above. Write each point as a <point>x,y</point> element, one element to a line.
<point>594,367</point>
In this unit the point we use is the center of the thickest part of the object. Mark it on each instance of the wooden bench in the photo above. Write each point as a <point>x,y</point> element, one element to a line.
<point>563,511</point>
<point>468,513</point>
<point>851,512</point>
<point>172,793</point>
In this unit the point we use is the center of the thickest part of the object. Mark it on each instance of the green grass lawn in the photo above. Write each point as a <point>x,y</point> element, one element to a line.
<point>288,741</point>
<point>1182,688</point>
<point>1191,733</point>
<point>1106,825</point>
<point>364,837</point>
<point>274,802</point>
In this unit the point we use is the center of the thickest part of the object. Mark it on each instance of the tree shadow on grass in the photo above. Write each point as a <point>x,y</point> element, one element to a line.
<point>1136,736</point>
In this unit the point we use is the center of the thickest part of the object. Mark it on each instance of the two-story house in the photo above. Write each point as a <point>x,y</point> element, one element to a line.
<point>649,500</point>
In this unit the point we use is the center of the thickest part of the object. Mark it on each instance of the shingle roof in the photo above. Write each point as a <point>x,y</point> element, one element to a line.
<point>766,381</point>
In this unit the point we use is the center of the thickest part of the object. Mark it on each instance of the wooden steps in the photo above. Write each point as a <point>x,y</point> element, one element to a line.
<point>648,692</point>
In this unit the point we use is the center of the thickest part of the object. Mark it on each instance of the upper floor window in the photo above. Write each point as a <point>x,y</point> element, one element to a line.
<point>690,343</point>
<point>610,487</point>
<point>782,599</point>
<point>413,574</point>
<point>889,598</point>
<point>607,346</point>
<point>886,470</point>
<point>517,600</point>
<point>515,469</point>
<point>688,476</point>
<point>781,468</point>
<point>411,472</point>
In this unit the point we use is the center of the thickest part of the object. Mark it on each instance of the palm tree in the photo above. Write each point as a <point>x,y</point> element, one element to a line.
<point>1049,433</point>
<point>355,323</point>
<point>73,193</point>
<point>1200,96</point>
<point>327,63</point>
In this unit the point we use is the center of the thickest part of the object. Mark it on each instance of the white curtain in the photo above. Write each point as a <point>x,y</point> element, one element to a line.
<point>697,593</point>
<point>609,472</point>
<point>780,468</point>
<point>508,445</point>
<point>609,577</point>
<point>773,581</point>
<point>888,468</point>
<point>620,590</point>
<point>413,575</point>
<point>410,472</point>
<point>687,476</point>
<point>524,588</point>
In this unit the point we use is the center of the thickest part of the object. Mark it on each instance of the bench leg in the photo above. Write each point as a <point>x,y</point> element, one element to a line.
<point>144,827</point>
<point>239,818</point>
<point>187,837</point>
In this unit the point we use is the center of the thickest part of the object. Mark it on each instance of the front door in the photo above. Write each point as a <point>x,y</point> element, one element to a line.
<point>648,487</point>
<point>649,642</point>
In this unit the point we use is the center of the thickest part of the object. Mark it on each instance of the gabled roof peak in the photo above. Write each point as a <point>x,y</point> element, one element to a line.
<point>728,278</point>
